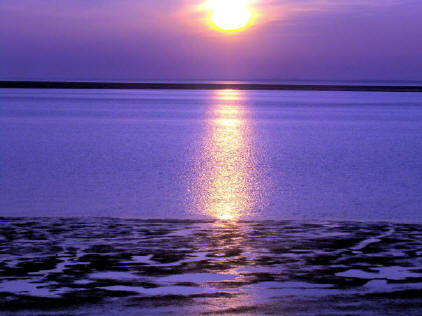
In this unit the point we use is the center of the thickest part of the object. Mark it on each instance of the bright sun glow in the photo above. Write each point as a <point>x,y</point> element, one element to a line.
<point>230,15</point>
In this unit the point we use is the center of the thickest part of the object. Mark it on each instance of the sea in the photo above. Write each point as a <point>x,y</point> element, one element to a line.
<point>210,202</point>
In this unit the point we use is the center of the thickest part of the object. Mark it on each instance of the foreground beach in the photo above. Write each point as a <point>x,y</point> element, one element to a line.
<point>88,265</point>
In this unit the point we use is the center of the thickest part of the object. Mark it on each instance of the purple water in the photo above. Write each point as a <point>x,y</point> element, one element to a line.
<point>211,154</point>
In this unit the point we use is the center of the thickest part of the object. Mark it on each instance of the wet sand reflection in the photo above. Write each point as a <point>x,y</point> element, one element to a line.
<point>229,267</point>
<point>227,184</point>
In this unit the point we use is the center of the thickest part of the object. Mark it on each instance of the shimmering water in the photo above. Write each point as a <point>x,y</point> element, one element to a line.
<point>213,154</point>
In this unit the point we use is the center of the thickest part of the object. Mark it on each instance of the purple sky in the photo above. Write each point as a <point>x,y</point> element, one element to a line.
<point>170,39</point>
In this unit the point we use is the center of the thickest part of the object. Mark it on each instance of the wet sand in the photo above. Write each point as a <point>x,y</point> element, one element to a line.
<point>112,266</point>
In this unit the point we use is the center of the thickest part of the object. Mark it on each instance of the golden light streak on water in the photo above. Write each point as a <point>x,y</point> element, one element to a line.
<point>226,183</point>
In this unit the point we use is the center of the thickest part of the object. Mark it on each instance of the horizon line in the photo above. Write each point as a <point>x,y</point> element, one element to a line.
<point>202,86</point>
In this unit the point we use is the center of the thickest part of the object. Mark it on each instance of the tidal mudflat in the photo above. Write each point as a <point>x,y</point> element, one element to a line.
<point>80,266</point>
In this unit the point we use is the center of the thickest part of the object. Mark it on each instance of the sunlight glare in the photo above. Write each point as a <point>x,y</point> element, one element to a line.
<point>226,186</point>
<point>230,15</point>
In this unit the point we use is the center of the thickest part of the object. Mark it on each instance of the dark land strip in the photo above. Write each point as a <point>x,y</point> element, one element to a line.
<point>203,86</point>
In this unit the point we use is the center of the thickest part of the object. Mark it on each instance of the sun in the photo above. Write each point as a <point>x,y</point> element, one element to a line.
<point>230,15</point>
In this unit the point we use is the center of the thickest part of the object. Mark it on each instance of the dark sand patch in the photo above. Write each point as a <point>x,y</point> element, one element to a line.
<point>56,265</point>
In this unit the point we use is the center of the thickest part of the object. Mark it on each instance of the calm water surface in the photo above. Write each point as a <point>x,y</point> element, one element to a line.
<point>213,154</point>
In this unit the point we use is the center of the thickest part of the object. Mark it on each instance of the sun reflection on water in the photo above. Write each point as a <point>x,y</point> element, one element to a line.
<point>226,185</point>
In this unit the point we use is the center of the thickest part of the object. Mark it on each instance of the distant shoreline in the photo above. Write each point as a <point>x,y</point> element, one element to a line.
<point>202,86</point>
